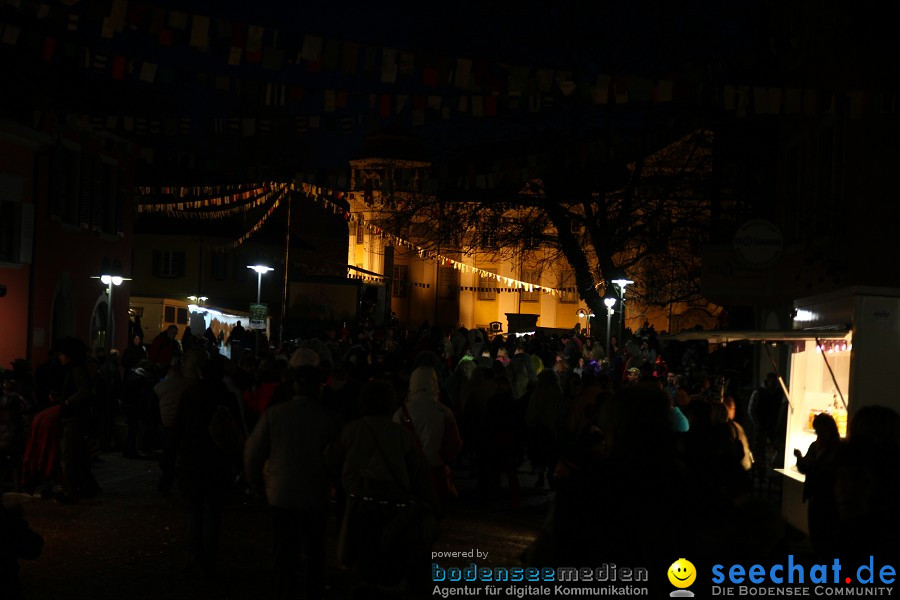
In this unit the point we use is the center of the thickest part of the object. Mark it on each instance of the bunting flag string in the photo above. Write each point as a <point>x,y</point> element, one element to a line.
<point>321,194</point>
<point>439,85</point>
<point>205,192</point>
<point>372,278</point>
<point>215,207</point>
<point>226,45</point>
<point>259,224</point>
<point>458,288</point>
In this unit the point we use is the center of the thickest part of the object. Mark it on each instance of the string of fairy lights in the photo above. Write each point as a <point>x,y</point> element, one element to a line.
<point>216,202</point>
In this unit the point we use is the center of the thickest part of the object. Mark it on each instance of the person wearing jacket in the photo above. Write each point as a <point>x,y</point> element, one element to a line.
<point>434,423</point>
<point>283,457</point>
<point>434,426</point>
<point>388,524</point>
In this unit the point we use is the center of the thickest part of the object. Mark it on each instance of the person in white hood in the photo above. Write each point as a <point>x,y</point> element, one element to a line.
<point>433,422</point>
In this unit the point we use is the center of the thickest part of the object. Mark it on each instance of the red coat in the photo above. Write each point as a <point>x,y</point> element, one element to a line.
<point>162,349</point>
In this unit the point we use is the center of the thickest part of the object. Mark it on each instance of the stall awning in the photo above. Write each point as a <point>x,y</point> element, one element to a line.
<point>719,337</point>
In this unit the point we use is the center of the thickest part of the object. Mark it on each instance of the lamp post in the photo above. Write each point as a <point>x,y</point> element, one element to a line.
<point>609,302</point>
<point>621,284</point>
<point>110,276</point>
<point>260,271</point>
<point>583,314</point>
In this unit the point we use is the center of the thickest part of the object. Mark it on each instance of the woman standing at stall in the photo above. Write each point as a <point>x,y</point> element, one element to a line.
<point>819,466</point>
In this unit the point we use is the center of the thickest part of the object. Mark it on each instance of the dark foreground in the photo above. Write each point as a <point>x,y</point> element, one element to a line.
<point>128,542</point>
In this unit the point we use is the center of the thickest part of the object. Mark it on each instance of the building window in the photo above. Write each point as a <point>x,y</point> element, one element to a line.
<point>400,286</point>
<point>567,290</point>
<point>487,285</point>
<point>360,229</point>
<point>448,283</point>
<point>490,231</point>
<point>168,263</point>
<point>530,277</point>
<point>219,266</point>
<point>16,221</point>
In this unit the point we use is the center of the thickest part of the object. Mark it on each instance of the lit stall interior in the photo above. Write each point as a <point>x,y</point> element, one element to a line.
<point>819,382</point>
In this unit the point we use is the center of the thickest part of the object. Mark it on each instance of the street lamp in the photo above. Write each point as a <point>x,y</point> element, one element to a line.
<point>110,276</point>
<point>620,284</point>
<point>583,314</point>
<point>199,300</point>
<point>260,271</point>
<point>609,302</point>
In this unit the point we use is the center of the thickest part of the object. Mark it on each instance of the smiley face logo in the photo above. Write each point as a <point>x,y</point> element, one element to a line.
<point>682,573</point>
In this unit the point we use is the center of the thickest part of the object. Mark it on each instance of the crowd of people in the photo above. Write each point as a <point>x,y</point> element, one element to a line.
<point>643,460</point>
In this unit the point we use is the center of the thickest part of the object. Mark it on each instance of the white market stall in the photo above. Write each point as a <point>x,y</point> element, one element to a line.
<point>844,347</point>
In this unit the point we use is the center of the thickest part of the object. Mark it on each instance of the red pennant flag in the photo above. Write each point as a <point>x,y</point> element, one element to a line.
<point>118,67</point>
<point>49,48</point>
<point>430,76</point>
<point>490,106</point>
<point>165,37</point>
<point>385,105</point>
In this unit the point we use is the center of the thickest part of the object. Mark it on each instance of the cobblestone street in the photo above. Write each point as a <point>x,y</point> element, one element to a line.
<point>128,541</point>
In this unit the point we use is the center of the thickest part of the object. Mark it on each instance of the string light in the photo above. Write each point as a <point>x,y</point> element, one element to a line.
<point>244,198</point>
<point>316,193</point>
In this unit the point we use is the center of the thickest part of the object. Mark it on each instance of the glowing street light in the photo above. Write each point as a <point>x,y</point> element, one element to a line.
<point>260,271</point>
<point>583,314</point>
<point>609,302</point>
<point>621,284</point>
<point>110,277</point>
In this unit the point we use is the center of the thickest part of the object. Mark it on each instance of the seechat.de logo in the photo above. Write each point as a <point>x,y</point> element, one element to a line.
<point>682,574</point>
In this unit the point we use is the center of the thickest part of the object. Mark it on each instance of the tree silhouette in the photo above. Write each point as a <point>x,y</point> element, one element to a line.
<point>648,223</point>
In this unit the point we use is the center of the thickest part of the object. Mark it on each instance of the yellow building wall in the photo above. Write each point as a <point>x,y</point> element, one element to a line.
<point>422,304</point>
